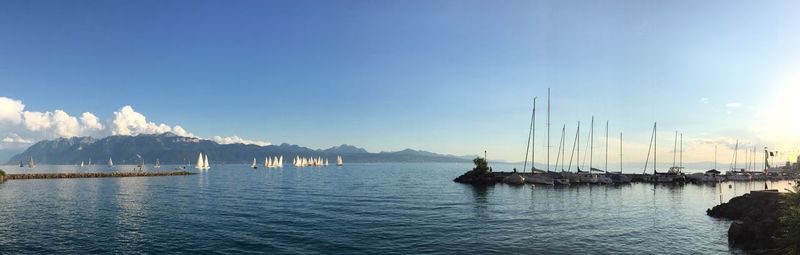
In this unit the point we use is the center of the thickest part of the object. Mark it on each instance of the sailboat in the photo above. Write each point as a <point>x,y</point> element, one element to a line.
<point>21,164</point>
<point>713,175</point>
<point>158,164</point>
<point>206,166</point>
<point>656,177</point>
<point>339,161</point>
<point>589,177</point>
<point>254,166</point>
<point>554,177</point>
<point>574,177</point>
<point>111,162</point>
<point>537,176</point>
<point>603,178</point>
<point>280,162</point>
<point>326,162</point>
<point>81,163</point>
<point>618,177</point>
<point>199,164</point>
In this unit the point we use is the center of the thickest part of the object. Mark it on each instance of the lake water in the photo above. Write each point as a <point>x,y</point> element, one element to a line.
<point>355,209</point>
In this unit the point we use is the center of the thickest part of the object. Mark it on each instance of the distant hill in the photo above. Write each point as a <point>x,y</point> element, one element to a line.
<point>172,149</point>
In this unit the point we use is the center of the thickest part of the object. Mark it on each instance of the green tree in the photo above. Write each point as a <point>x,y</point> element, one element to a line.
<point>481,165</point>
<point>2,173</point>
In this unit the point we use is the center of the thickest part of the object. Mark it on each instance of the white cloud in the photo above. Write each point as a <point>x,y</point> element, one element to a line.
<point>90,121</point>
<point>10,110</point>
<point>704,100</point>
<point>15,138</point>
<point>236,139</point>
<point>20,128</point>
<point>129,122</point>
<point>733,105</point>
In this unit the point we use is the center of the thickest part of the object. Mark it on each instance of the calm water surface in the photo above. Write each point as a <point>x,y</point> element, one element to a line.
<point>355,209</point>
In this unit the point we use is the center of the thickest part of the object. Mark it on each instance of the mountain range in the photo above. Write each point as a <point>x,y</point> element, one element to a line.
<point>172,149</point>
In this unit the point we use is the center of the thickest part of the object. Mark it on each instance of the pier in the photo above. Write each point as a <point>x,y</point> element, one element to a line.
<point>92,175</point>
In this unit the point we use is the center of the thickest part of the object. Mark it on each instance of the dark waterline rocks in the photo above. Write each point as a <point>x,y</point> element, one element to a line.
<point>476,177</point>
<point>756,220</point>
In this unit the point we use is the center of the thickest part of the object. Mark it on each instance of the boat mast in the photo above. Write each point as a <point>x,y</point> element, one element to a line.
<point>606,147</point>
<point>533,137</point>
<point>620,152</point>
<point>675,149</point>
<point>591,144</point>
<point>548,129</point>
<point>530,130</point>
<point>680,165</point>
<point>735,154</point>
<point>655,142</point>
<point>715,157</point>
<point>574,145</point>
<point>563,146</point>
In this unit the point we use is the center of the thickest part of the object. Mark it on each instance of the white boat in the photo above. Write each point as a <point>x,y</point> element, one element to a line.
<point>199,164</point>
<point>254,166</point>
<point>81,163</point>
<point>158,164</point>
<point>280,162</point>
<point>206,166</point>
<point>539,178</point>
<point>266,161</point>
<point>339,161</point>
<point>31,164</point>
<point>110,162</point>
<point>326,162</point>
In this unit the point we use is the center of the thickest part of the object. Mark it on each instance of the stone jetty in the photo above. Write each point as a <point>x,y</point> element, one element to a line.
<point>92,175</point>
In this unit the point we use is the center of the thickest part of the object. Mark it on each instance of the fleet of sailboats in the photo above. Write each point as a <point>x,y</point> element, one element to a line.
<point>314,161</point>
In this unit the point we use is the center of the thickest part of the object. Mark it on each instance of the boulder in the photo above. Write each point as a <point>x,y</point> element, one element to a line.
<point>756,220</point>
<point>476,177</point>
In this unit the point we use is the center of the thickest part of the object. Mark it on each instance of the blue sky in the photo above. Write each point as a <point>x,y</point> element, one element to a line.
<point>452,77</point>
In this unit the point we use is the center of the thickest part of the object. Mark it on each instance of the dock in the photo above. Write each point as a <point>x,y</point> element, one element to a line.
<point>92,175</point>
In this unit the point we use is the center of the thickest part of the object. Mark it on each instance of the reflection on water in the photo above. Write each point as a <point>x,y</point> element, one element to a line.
<point>355,209</point>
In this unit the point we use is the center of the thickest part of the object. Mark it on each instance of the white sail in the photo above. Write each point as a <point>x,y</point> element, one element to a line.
<point>266,161</point>
<point>339,161</point>
<point>205,163</point>
<point>326,162</point>
<point>199,161</point>
<point>81,163</point>
<point>158,163</point>
<point>110,162</point>
<point>254,163</point>
<point>275,161</point>
<point>280,161</point>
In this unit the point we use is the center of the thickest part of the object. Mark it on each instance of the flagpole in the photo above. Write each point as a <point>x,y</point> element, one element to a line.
<point>766,165</point>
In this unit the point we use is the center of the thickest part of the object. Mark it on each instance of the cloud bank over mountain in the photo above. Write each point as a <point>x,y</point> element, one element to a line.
<point>20,128</point>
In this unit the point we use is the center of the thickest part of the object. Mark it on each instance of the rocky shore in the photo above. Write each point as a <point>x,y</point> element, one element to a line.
<point>756,219</point>
<point>477,177</point>
<point>92,175</point>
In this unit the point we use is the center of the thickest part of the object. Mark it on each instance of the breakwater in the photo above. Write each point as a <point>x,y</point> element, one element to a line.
<point>92,175</point>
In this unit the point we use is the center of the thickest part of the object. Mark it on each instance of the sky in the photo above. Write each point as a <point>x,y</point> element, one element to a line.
<point>454,77</point>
